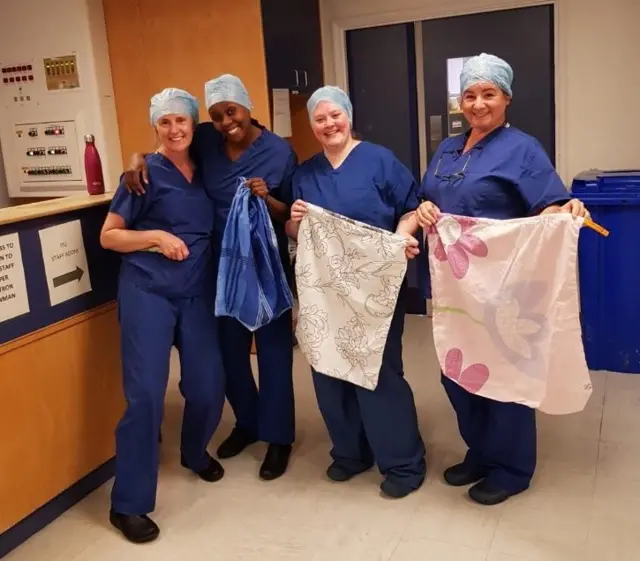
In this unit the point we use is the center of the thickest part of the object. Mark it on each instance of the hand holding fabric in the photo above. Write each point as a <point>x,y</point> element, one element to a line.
<point>576,208</point>
<point>258,187</point>
<point>427,214</point>
<point>298,210</point>
<point>412,249</point>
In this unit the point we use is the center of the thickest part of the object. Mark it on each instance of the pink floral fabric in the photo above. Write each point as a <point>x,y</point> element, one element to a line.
<point>457,249</point>
<point>505,309</point>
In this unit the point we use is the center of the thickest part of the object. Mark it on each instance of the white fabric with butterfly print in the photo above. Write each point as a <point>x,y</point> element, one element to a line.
<point>506,318</point>
<point>348,277</point>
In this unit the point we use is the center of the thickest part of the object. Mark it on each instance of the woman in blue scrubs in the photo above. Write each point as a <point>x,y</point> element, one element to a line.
<point>365,182</point>
<point>234,145</point>
<point>249,150</point>
<point>165,298</point>
<point>494,171</point>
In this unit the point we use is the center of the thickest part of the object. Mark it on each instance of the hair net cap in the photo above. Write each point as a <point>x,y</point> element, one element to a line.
<point>226,88</point>
<point>332,94</point>
<point>487,68</point>
<point>173,101</point>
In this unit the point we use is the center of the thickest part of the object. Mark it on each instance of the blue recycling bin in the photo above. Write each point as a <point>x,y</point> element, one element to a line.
<point>609,270</point>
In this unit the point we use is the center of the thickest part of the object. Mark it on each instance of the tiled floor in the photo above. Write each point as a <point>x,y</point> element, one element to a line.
<point>584,504</point>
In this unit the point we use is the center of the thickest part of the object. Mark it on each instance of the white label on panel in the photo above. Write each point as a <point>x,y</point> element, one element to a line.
<point>282,113</point>
<point>14,300</point>
<point>65,261</point>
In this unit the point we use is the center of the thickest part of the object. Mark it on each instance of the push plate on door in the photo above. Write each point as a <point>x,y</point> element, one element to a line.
<point>435,131</point>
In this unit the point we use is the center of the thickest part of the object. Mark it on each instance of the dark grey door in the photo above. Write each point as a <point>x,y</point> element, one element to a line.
<point>382,87</point>
<point>523,37</point>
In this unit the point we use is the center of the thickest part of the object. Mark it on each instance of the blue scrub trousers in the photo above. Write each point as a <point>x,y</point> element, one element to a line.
<point>267,414</point>
<point>378,426</point>
<point>501,437</point>
<point>150,325</point>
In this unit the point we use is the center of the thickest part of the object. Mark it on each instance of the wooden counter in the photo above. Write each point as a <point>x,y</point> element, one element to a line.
<point>30,211</point>
<point>60,380</point>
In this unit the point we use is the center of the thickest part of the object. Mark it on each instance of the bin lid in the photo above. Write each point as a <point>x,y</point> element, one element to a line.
<point>599,181</point>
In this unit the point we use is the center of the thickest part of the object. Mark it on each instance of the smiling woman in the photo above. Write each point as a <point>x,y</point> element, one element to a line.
<point>484,102</point>
<point>331,122</point>
<point>236,149</point>
<point>164,299</point>
<point>175,131</point>
<point>493,171</point>
<point>364,182</point>
<point>484,106</point>
<point>233,150</point>
<point>230,110</point>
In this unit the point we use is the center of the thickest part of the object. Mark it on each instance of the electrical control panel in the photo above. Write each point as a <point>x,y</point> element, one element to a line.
<point>48,152</point>
<point>54,89</point>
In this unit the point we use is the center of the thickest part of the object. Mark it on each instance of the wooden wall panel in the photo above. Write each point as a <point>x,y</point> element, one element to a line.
<point>302,140</point>
<point>129,75</point>
<point>60,401</point>
<point>155,44</point>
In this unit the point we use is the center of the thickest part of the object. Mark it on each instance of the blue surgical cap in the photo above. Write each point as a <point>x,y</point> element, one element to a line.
<point>226,88</point>
<point>173,101</point>
<point>332,94</point>
<point>487,68</point>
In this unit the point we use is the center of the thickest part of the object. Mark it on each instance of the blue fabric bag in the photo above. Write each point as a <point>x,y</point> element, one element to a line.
<point>252,286</point>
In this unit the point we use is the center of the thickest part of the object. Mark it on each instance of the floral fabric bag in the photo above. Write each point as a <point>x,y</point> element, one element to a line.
<point>348,277</point>
<point>506,319</point>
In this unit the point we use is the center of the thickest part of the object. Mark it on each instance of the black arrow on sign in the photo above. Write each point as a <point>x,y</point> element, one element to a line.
<point>68,277</point>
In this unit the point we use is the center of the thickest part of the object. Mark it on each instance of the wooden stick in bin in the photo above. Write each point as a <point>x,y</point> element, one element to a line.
<point>596,227</point>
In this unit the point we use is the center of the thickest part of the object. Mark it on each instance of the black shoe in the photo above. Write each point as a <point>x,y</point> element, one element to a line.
<point>461,474</point>
<point>137,529</point>
<point>212,473</point>
<point>275,462</point>
<point>235,443</point>
<point>337,473</point>
<point>395,489</point>
<point>487,494</point>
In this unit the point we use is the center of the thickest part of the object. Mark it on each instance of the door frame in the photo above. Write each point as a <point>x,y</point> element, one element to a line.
<point>339,29</point>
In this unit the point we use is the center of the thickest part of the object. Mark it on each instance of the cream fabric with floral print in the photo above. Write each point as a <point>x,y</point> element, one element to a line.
<point>506,320</point>
<point>348,276</point>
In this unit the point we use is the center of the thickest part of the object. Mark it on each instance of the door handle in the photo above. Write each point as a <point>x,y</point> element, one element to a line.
<point>306,79</point>
<point>435,129</point>
<point>297,77</point>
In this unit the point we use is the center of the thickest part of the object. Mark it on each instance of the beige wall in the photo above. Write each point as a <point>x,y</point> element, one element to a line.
<point>4,195</point>
<point>598,69</point>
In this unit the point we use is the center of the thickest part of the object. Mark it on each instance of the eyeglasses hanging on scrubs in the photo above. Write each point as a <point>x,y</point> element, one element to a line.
<point>453,176</point>
<point>458,174</point>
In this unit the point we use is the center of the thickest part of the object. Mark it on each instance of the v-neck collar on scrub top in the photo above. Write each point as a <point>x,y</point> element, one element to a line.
<point>249,151</point>
<point>482,142</point>
<point>327,164</point>
<point>174,166</point>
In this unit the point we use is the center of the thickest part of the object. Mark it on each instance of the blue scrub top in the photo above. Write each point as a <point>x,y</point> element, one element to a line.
<point>269,157</point>
<point>183,209</point>
<point>505,175</point>
<point>371,186</point>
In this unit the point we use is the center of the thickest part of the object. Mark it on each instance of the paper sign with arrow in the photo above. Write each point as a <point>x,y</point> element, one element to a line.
<point>65,261</point>
<point>71,276</point>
